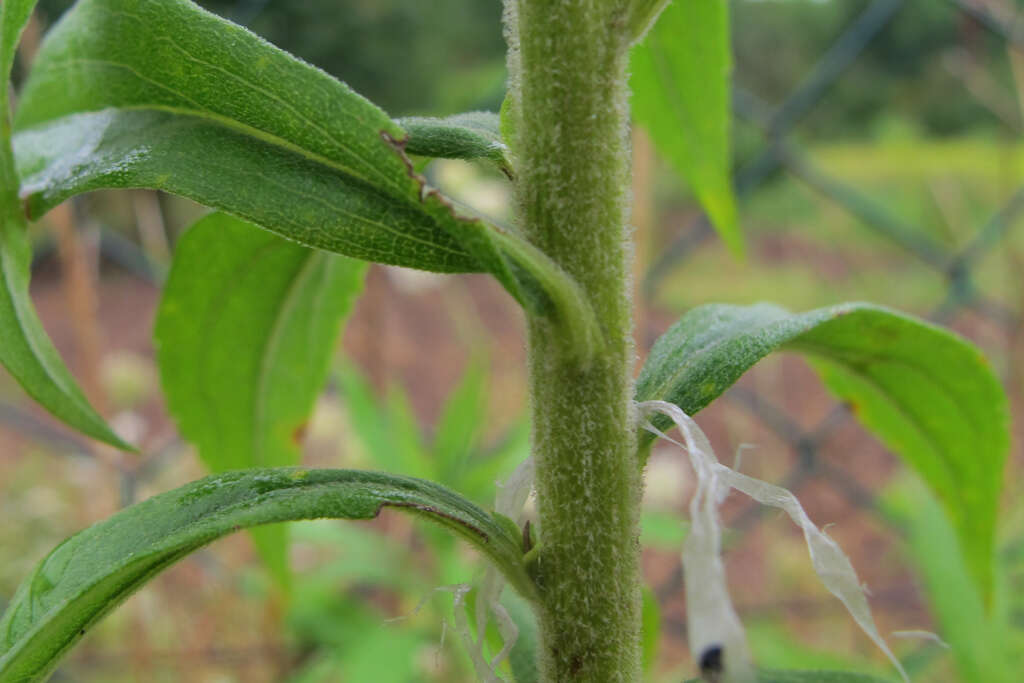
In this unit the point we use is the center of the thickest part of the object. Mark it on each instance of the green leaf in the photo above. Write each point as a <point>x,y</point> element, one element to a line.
<point>772,676</point>
<point>523,657</point>
<point>161,94</point>
<point>977,637</point>
<point>497,462</point>
<point>458,428</point>
<point>245,333</point>
<point>387,429</point>
<point>25,349</point>
<point>311,200</point>
<point>929,395</point>
<point>90,573</point>
<point>473,135</point>
<point>681,95</point>
<point>14,15</point>
<point>774,646</point>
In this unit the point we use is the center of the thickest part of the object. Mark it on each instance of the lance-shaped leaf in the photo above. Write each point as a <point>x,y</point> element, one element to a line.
<point>14,15</point>
<point>980,640</point>
<point>783,676</point>
<point>245,333</point>
<point>680,84</point>
<point>522,658</point>
<point>90,573</point>
<point>928,394</point>
<point>161,94</point>
<point>25,349</point>
<point>469,136</point>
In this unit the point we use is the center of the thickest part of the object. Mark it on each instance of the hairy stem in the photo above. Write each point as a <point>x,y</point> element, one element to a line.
<point>569,115</point>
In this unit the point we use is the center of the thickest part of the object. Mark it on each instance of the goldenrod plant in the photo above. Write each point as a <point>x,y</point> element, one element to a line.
<point>309,181</point>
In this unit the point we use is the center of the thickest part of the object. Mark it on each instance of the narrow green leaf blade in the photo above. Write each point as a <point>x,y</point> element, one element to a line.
<point>523,657</point>
<point>387,429</point>
<point>161,94</point>
<point>978,638</point>
<point>14,15</point>
<point>458,428</point>
<point>90,573</point>
<point>472,135</point>
<point>780,676</point>
<point>681,74</point>
<point>929,395</point>
<point>245,333</point>
<point>25,349</point>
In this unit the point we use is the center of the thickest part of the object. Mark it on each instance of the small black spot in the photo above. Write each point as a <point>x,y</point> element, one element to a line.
<point>82,632</point>
<point>711,664</point>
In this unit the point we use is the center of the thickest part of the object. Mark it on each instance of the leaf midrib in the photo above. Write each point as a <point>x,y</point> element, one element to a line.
<point>246,82</point>
<point>245,129</point>
<point>202,111</point>
<point>664,389</point>
<point>270,348</point>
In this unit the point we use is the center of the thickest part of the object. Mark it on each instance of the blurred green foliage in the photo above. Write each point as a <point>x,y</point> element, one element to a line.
<point>902,74</point>
<point>338,616</point>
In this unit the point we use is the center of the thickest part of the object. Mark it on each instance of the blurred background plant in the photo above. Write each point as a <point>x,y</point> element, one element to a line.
<point>878,156</point>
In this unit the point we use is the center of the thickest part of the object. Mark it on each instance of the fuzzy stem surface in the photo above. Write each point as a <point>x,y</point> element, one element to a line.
<point>570,118</point>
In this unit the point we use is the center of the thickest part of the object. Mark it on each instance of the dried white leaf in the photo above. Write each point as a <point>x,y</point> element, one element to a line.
<point>711,616</point>
<point>474,648</point>
<point>490,591</point>
<point>921,635</point>
<point>508,630</point>
<point>513,492</point>
<point>717,639</point>
<point>509,501</point>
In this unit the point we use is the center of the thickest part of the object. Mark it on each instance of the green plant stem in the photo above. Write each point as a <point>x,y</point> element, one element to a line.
<point>570,119</point>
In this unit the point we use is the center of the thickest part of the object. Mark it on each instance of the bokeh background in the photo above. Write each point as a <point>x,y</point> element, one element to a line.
<point>878,157</point>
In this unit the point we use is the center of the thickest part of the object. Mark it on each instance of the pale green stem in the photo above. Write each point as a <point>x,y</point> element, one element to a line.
<point>570,116</point>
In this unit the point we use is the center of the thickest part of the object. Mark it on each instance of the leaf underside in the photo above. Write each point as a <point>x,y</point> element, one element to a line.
<point>25,349</point>
<point>245,332</point>
<point>90,573</point>
<point>927,394</point>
